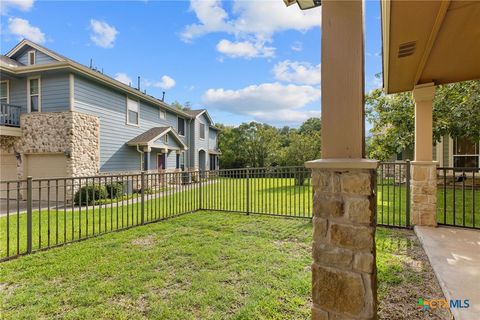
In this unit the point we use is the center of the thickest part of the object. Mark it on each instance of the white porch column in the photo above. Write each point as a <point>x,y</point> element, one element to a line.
<point>343,269</point>
<point>424,173</point>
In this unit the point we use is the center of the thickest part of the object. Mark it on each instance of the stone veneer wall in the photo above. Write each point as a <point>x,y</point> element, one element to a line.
<point>73,133</point>
<point>424,193</point>
<point>344,270</point>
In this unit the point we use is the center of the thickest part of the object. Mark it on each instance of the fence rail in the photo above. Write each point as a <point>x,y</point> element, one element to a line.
<point>9,115</point>
<point>393,194</point>
<point>458,197</point>
<point>37,214</point>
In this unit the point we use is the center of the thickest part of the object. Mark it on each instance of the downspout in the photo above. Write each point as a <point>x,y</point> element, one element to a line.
<point>141,159</point>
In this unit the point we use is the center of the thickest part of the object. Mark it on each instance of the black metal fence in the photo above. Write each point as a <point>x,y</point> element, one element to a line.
<point>393,194</point>
<point>458,197</point>
<point>285,191</point>
<point>37,214</point>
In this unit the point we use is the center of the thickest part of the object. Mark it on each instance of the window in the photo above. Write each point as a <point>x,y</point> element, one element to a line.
<point>163,114</point>
<point>182,160</point>
<point>165,139</point>
<point>34,100</point>
<point>32,57</point>
<point>181,126</point>
<point>178,161</point>
<point>466,153</point>
<point>4,94</point>
<point>202,131</point>
<point>132,111</point>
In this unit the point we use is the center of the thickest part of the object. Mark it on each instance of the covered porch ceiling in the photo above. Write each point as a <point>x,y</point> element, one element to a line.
<point>429,41</point>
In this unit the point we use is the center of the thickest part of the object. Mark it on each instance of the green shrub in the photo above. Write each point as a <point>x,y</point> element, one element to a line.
<point>114,190</point>
<point>90,193</point>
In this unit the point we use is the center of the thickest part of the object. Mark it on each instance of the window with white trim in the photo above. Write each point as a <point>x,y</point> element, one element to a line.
<point>132,111</point>
<point>466,153</point>
<point>163,114</point>
<point>4,92</point>
<point>34,100</point>
<point>202,131</point>
<point>32,57</point>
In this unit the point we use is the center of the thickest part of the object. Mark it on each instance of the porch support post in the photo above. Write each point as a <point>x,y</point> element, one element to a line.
<point>344,205</point>
<point>424,173</point>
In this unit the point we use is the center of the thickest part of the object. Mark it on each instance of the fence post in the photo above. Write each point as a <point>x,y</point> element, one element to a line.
<point>29,214</point>
<point>407,206</point>
<point>142,196</point>
<point>248,191</point>
<point>200,194</point>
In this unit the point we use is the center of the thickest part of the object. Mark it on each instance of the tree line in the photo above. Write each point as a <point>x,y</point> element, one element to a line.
<point>256,144</point>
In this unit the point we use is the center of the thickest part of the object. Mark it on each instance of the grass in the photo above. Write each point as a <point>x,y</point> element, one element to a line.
<point>391,208</point>
<point>200,266</point>
<point>265,195</point>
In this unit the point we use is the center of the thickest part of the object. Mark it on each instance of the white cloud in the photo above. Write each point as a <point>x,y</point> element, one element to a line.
<point>297,72</point>
<point>211,16</point>
<point>165,83</point>
<point>259,18</point>
<point>245,49</point>
<point>265,102</point>
<point>123,77</point>
<point>254,21</point>
<point>23,29</point>
<point>23,5</point>
<point>103,35</point>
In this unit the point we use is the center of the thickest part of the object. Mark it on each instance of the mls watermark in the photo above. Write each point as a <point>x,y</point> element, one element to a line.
<point>428,304</point>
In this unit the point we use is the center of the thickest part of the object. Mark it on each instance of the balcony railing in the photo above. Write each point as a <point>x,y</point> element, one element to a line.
<point>9,115</point>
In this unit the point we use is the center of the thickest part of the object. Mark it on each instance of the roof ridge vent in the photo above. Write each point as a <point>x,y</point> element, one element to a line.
<point>407,49</point>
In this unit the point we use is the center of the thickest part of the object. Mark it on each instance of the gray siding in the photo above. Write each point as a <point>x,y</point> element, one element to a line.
<point>55,92</point>
<point>199,143</point>
<point>212,139</point>
<point>446,153</point>
<point>41,58</point>
<point>110,107</point>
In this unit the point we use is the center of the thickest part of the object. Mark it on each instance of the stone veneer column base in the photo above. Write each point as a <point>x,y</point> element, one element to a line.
<point>424,193</point>
<point>344,284</point>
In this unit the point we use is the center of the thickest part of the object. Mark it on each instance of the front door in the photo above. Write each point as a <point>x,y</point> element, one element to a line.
<point>161,161</point>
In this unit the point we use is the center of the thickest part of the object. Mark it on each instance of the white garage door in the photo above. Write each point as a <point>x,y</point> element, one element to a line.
<point>8,171</point>
<point>47,166</point>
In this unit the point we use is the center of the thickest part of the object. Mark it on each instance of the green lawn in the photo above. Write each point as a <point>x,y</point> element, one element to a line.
<point>199,266</point>
<point>265,195</point>
<point>391,208</point>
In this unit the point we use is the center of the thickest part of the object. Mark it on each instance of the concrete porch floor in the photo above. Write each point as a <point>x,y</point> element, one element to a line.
<point>454,254</point>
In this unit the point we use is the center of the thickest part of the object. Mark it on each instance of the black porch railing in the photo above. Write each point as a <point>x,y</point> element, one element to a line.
<point>458,197</point>
<point>393,194</point>
<point>9,115</point>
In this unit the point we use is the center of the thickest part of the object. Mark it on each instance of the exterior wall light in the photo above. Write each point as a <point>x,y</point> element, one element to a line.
<point>304,4</point>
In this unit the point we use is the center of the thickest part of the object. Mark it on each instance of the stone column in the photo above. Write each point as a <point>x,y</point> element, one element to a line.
<point>344,269</point>
<point>424,173</point>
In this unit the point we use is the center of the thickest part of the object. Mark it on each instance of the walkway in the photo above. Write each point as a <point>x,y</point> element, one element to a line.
<point>454,254</point>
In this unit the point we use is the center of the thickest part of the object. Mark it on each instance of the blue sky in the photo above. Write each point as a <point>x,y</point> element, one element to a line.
<point>243,60</point>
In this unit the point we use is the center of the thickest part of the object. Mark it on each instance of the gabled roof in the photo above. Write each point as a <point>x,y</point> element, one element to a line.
<point>150,136</point>
<point>73,66</point>
<point>4,60</point>
<point>197,113</point>
<point>18,48</point>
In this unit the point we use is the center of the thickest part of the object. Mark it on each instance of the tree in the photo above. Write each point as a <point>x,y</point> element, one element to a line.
<point>185,106</point>
<point>311,126</point>
<point>456,112</point>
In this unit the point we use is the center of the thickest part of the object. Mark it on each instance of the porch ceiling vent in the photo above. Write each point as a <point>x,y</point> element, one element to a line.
<point>407,49</point>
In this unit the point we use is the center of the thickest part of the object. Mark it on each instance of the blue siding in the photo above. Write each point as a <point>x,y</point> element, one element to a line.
<point>55,92</point>
<point>199,143</point>
<point>41,58</point>
<point>18,93</point>
<point>110,107</point>
<point>172,141</point>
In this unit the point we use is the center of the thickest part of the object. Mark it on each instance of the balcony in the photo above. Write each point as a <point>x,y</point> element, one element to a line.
<point>10,120</point>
